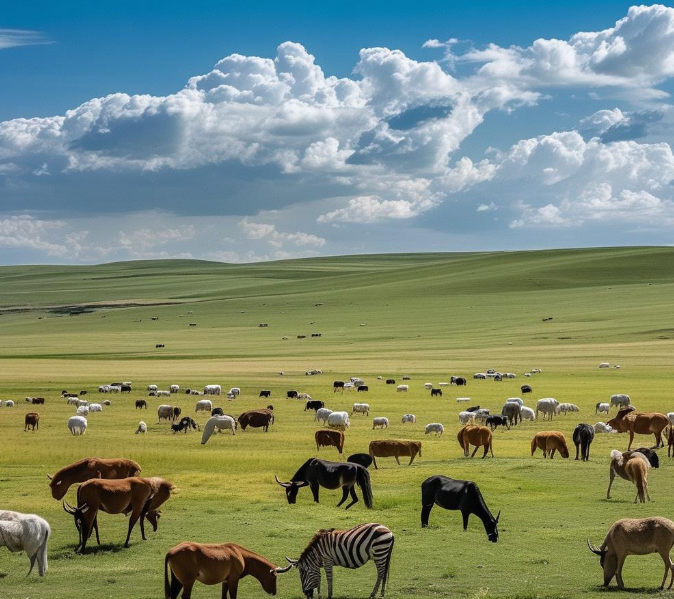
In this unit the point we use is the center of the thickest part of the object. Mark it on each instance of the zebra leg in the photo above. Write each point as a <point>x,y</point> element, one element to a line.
<point>328,575</point>
<point>345,494</point>
<point>381,573</point>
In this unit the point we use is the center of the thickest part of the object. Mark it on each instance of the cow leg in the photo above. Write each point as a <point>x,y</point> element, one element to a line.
<point>98,539</point>
<point>354,497</point>
<point>631,439</point>
<point>425,513</point>
<point>374,462</point>
<point>577,447</point>
<point>233,584</point>
<point>619,573</point>
<point>176,586</point>
<point>345,494</point>
<point>552,454</point>
<point>472,455</point>
<point>187,589</point>
<point>411,459</point>
<point>314,490</point>
<point>397,460</point>
<point>611,476</point>
<point>665,558</point>
<point>465,516</point>
<point>486,451</point>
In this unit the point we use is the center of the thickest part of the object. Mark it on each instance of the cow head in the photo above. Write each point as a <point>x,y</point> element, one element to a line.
<point>606,561</point>
<point>58,489</point>
<point>80,524</point>
<point>492,532</point>
<point>291,488</point>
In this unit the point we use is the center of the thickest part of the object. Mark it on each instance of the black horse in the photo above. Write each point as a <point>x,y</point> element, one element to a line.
<point>332,475</point>
<point>583,435</point>
<point>462,495</point>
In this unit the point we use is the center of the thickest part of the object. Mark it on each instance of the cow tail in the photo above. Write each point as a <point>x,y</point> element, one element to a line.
<point>533,445</point>
<point>387,568</point>
<point>167,586</point>
<point>363,480</point>
<point>420,450</point>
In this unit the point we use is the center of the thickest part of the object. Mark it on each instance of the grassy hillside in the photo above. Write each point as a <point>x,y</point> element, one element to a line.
<point>425,315</point>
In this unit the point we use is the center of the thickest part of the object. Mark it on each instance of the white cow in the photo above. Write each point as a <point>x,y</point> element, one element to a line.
<point>565,408</point>
<point>304,396</point>
<point>379,422</point>
<point>604,365</point>
<point>402,388</point>
<point>428,385</point>
<point>142,428</point>
<point>536,371</point>
<point>466,417</point>
<point>527,413</point>
<point>163,393</point>
<point>339,420</point>
<point>602,407</point>
<point>510,375</point>
<point>220,423</point>
<point>443,384</point>
<point>72,401</point>
<point>83,411</point>
<point>602,427</point>
<point>409,418</point>
<point>81,402</point>
<point>26,532</point>
<point>204,405</point>
<point>361,408</point>
<point>95,407</point>
<point>235,391</point>
<point>435,427</point>
<point>527,374</point>
<point>104,389</point>
<point>164,412</point>
<point>349,386</point>
<point>547,405</point>
<point>9,403</point>
<point>152,387</point>
<point>670,415</point>
<point>212,390</point>
<point>517,400</point>
<point>174,388</point>
<point>621,400</point>
<point>481,415</point>
<point>77,425</point>
<point>322,415</point>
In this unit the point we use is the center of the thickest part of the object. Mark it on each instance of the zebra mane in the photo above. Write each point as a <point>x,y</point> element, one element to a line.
<point>314,541</point>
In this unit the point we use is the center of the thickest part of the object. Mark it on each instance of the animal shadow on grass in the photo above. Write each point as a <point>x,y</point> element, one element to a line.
<point>69,552</point>
<point>638,591</point>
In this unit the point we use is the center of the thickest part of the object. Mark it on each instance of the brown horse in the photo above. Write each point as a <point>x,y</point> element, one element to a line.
<point>549,442</point>
<point>478,436</point>
<point>642,423</point>
<point>90,468</point>
<point>222,564</point>
<point>32,420</point>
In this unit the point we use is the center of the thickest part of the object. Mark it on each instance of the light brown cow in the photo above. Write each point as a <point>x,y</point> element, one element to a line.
<point>394,448</point>
<point>90,468</point>
<point>32,420</point>
<point>212,564</point>
<point>480,436</point>
<point>642,423</point>
<point>161,492</point>
<point>329,438</point>
<point>632,466</point>
<point>549,442</point>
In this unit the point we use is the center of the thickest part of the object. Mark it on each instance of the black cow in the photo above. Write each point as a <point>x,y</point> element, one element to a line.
<point>188,391</point>
<point>184,425</point>
<point>158,345</point>
<point>83,392</point>
<point>217,412</point>
<point>176,413</point>
<point>314,404</point>
<point>126,389</point>
<point>390,381</point>
<point>265,393</point>
<point>458,380</point>
<point>292,394</point>
<point>337,386</point>
<point>362,388</point>
<point>473,409</point>
<point>462,495</point>
<point>140,404</point>
<point>363,459</point>
<point>651,456</point>
<point>435,392</point>
<point>525,388</point>
<point>496,420</point>
<point>583,435</point>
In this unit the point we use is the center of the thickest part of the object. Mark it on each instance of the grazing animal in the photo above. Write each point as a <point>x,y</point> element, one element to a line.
<point>132,495</point>
<point>549,442</point>
<point>361,408</point>
<point>89,468</point>
<point>636,474</point>
<point>473,409</point>
<point>270,407</point>
<point>621,400</point>
<point>462,495</point>
<point>547,406</point>
<point>95,407</point>
<point>225,564</point>
<point>602,427</point>
<point>329,438</point>
<point>565,408</point>
<point>428,386</point>
<point>480,436</point>
<point>583,435</point>
<point>346,548</point>
<point>466,417</point>
<point>77,425</point>
<point>176,413</point>
<point>174,388</point>
<point>436,392</point>
<point>434,427</point>
<point>26,532</point>
<point>322,415</point>
<point>513,412</point>
<point>394,448</point>
<point>152,388</point>
<point>31,420</point>
<point>363,459</point>
<point>409,418</point>
<point>493,422</point>
<point>482,414</point>
<point>8,403</point>
<point>362,389</point>
<point>527,413</point>
<point>517,400</point>
<point>141,404</point>
<point>526,388</point>
<point>203,405</point>
<point>640,423</point>
<point>265,393</point>
<point>186,423</point>
<point>257,419</point>
<point>164,412</point>
<point>212,390</point>
<point>220,423</point>
<point>125,388</point>
<point>339,420</point>
<point>314,404</point>
<point>635,536</point>
<point>292,394</point>
<point>390,381</point>
<point>83,411</point>
<point>217,412</point>
<point>380,422</point>
<point>337,386</point>
<point>402,388</point>
<point>316,473</point>
<point>142,428</point>
<point>601,407</point>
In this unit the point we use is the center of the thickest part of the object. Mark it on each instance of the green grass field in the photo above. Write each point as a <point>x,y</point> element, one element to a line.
<point>424,315</point>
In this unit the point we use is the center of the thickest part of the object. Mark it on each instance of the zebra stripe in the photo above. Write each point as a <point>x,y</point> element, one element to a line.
<point>349,549</point>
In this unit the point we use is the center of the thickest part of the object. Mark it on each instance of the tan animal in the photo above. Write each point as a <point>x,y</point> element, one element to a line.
<point>635,536</point>
<point>32,420</point>
<point>629,421</point>
<point>632,466</point>
<point>87,468</point>
<point>549,442</point>
<point>327,438</point>
<point>394,448</point>
<point>480,436</point>
<point>224,564</point>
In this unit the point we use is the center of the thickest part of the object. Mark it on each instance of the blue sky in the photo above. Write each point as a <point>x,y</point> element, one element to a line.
<point>266,130</point>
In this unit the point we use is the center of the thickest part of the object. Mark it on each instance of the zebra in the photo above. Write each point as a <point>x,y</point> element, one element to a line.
<point>346,548</point>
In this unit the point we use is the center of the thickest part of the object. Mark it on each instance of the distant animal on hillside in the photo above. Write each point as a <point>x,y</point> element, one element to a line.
<point>186,423</point>
<point>339,420</point>
<point>547,406</point>
<point>314,404</point>
<point>493,422</point>
<point>462,495</point>
<point>77,425</point>
<point>434,427</point>
<point>525,389</point>
<point>265,393</point>
<point>379,422</point>
<point>601,407</point>
<point>621,400</point>
<point>527,413</point>
<point>411,418</point>
<point>513,412</point>
<point>142,428</point>
<point>32,421</point>
<point>322,415</point>
<point>141,404</point>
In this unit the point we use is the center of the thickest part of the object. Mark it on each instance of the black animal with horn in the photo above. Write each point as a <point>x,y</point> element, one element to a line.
<point>462,495</point>
<point>316,473</point>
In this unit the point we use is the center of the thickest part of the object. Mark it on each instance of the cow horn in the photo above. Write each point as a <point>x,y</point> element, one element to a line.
<point>292,562</point>
<point>592,548</point>
<point>280,483</point>
<point>49,476</point>
<point>282,570</point>
<point>67,508</point>
<point>498,515</point>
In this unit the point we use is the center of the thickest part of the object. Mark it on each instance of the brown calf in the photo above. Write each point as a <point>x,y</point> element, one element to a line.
<point>257,419</point>
<point>326,438</point>
<point>90,468</point>
<point>394,448</point>
<point>32,420</point>
<point>480,436</point>
<point>549,442</point>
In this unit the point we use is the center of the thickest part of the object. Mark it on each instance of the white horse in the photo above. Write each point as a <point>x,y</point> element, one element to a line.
<point>220,423</point>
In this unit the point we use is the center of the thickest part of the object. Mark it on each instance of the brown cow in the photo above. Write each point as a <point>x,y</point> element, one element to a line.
<point>480,436</point>
<point>140,404</point>
<point>124,496</point>
<point>257,419</point>
<point>549,442</point>
<point>328,438</point>
<point>394,448</point>
<point>161,493</point>
<point>32,420</point>
<point>35,400</point>
<point>211,564</point>
<point>90,468</point>
<point>640,423</point>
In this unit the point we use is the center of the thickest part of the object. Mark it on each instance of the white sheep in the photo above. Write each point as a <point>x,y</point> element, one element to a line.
<point>602,427</point>
<point>77,425</point>
<point>380,422</point>
<point>339,420</point>
<point>527,413</point>
<point>402,388</point>
<point>602,408</point>
<point>361,408</point>
<point>174,388</point>
<point>435,427</point>
<point>83,411</point>
<point>481,415</point>
<point>428,385</point>
<point>409,418</point>
<point>466,417</point>
<point>142,428</point>
<point>95,407</point>
<point>204,405</point>
<point>26,532</point>
<point>322,415</point>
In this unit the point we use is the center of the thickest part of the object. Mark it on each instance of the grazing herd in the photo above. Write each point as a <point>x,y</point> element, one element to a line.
<point>114,486</point>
